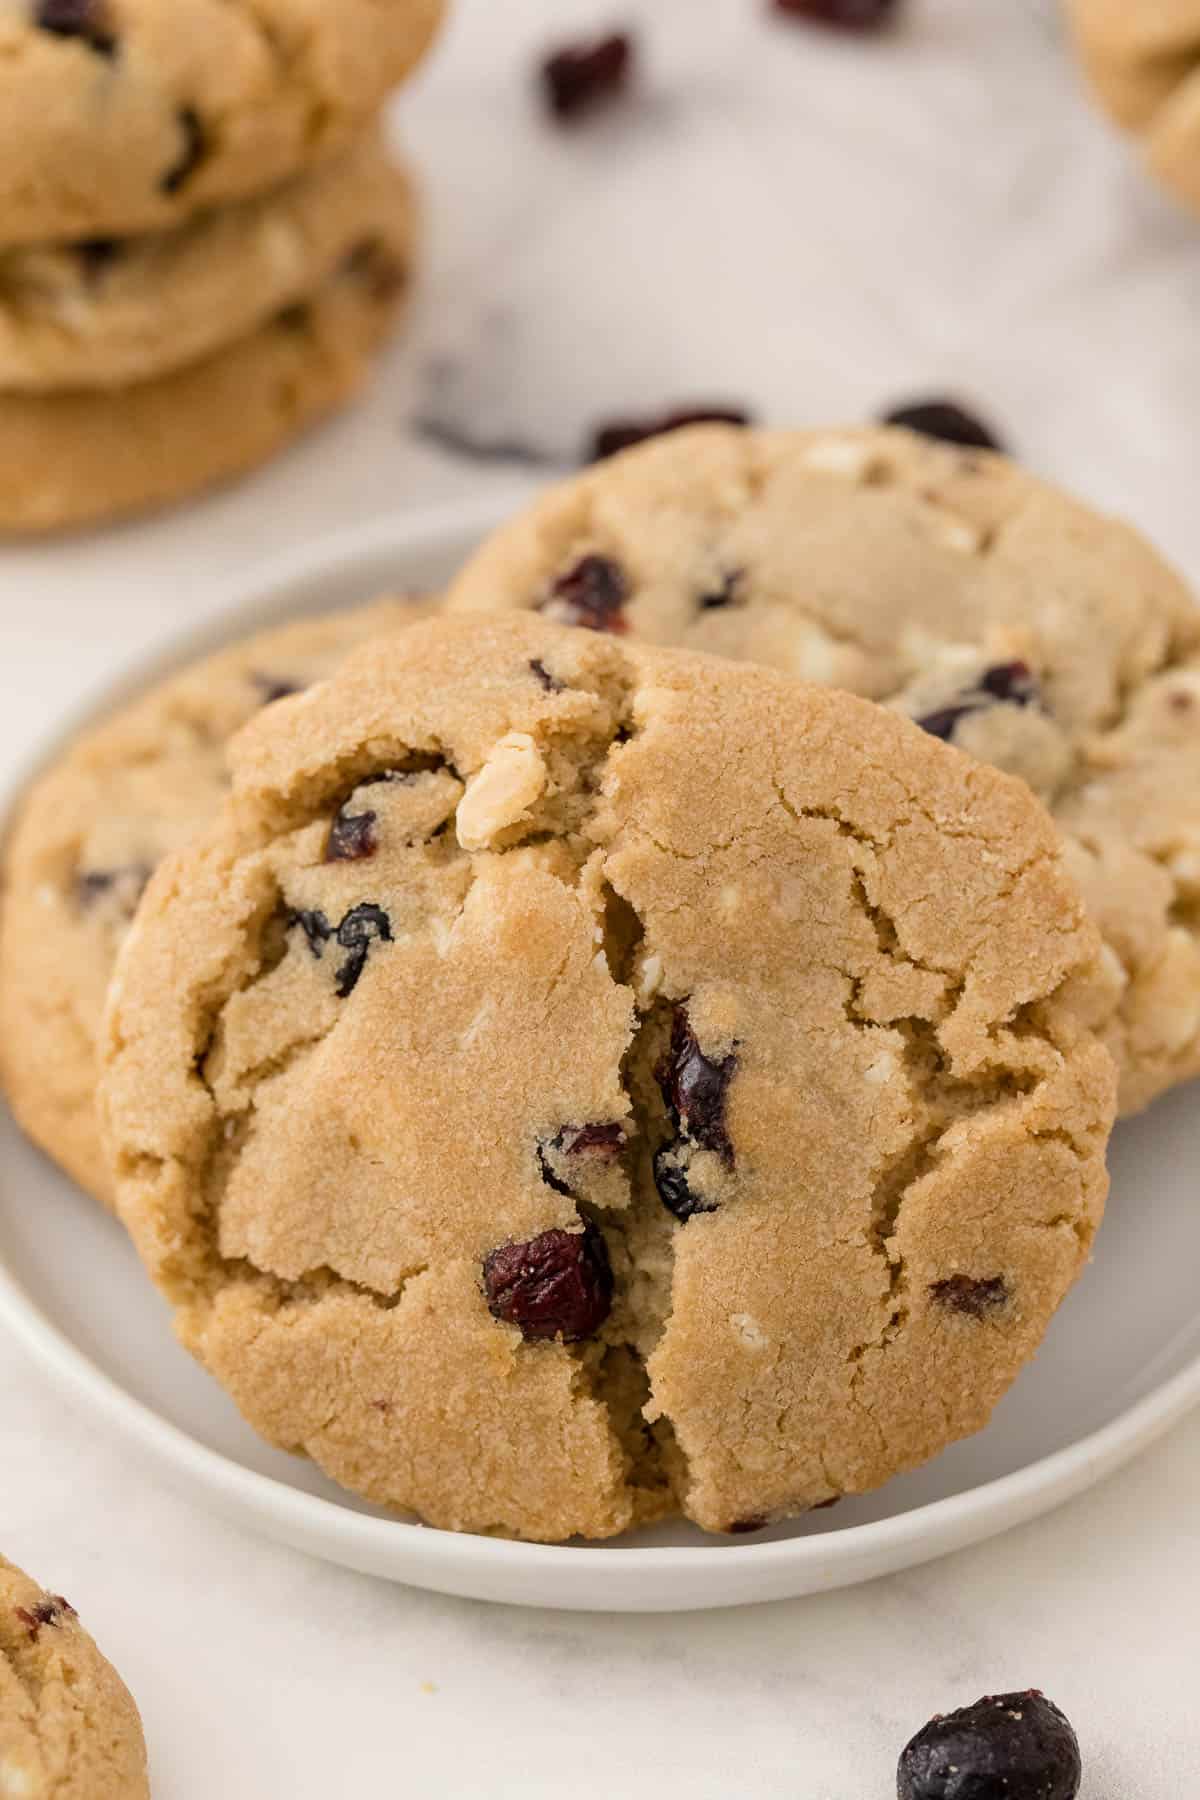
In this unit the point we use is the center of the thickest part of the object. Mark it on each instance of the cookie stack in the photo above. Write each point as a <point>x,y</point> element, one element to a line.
<point>595,1065</point>
<point>1143,63</point>
<point>202,238</point>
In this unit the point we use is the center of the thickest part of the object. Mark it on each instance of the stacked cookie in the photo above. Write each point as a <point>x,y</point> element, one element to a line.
<point>587,1063</point>
<point>202,238</point>
<point>1143,63</point>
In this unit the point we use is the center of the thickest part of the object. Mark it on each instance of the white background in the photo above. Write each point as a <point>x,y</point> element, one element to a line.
<point>816,229</point>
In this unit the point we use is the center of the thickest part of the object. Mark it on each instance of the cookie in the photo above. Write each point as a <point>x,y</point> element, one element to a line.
<point>90,833</point>
<point>1143,63</point>
<point>577,1081</point>
<point>84,457</point>
<point>69,1729</point>
<point>1004,616</point>
<point>121,116</point>
<point>115,311</point>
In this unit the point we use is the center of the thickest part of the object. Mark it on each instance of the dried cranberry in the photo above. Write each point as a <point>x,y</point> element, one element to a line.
<point>670,1178</point>
<point>581,76</point>
<point>557,1285</point>
<point>1011,681</point>
<point>724,595</point>
<point>274,687</point>
<point>606,1141</point>
<point>362,926</point>
<point>1012,684</point>
<point>128,883</point>
<point>1005,1747</point>
<point>86,19</point>
<point>602,1142</point>
<point>378,268</point>
<point>191,154</point>
<point>967,1294</point>
<point>845,15</point>
<point>316,928</point>
<point>946,420</point>
<point>591,594</point>
<point>622,434</point>
<point>47,1612</point>
<point>545,678</point>
<point>97,254</point>
<point>696,1088</point>
<point>352,837</point>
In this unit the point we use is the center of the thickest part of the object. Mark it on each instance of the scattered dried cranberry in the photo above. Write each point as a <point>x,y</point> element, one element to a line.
<point>845,15</point>
<point>273,687</point>
<point>352,837</point>
<point>1013,684</point>
<point>946,420</point>
<point>724,595</point>
<point>557,1285</point>
<point>670,1178</point>
<point>378,268</point>
<point>47,1612</point>
<point>622,434</point>
<point>605,1141</point>
<point>599,1142</point>
<point>128,884</point>
<point>97,254</point>
<point>362,926</point>
<point>1005,1747</point>
<point>581,76</point>
<point>86,19</point>
<point>591,594</point>
<point>975,1297</point>
<point>696,1088</point>
<point>545,678</point>
<point>191,153</point>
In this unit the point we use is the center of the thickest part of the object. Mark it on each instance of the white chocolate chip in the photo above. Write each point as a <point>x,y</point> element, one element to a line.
<point>957,534</point>
<point>840,456</point>
<point>501,793</point>
<point>15,1783</point>
<point>730,898</point>
<point>649,978</point>
<point>879,1072</point>
<point>748,1329</point>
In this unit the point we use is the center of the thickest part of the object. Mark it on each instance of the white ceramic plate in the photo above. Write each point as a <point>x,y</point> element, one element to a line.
<point>1121,1363</point>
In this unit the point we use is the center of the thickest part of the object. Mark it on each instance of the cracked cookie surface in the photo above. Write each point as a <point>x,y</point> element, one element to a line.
<point>84,456</point>
<point>111,311</point>
<point>1004,617</point>
<point>90,834</point>
<point>1143,63</point>
<point>69,1729</point>
<point>577,1082</point>
<point>119,116</point>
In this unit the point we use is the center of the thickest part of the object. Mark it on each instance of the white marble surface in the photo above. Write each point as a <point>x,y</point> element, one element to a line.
<point>817,229</point>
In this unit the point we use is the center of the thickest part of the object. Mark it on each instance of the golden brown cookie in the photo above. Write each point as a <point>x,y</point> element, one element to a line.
<point>119,116</point>
<point>69,1729</point>
<point>88,837</point>
<point>1001,614</point>
<point>83,457</point>
<point>1142,58</point>
<point>577,1081</point>
<point>116,311</point>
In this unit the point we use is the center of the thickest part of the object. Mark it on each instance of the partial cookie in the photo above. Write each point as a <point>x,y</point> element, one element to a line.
<point>90,834</point>
<point>83,457</point>
<point>1143,62</point>
<point>114,311</point>
<point>577,1081</point>
<point>1000,613</point>
<point>69,1729</point>
<point>119,116</point>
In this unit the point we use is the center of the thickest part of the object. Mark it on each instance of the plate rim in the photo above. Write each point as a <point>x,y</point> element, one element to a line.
<point>609,1578</point>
